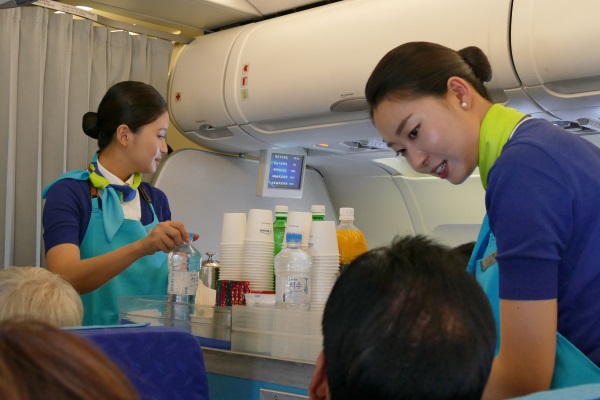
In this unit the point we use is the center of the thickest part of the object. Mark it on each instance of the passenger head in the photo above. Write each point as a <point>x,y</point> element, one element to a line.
<point>131,103</point>
<point>403,322</point>
<point>464,251</point>
<point>32,292</point>
<point>417,69</point>
<point>38,361</point>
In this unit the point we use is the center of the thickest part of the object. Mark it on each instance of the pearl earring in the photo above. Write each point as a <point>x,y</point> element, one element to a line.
<point>463,105</point>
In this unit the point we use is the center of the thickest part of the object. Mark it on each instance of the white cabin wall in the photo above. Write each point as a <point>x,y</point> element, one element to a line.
<point>451,214</point>
<point>386,206</point>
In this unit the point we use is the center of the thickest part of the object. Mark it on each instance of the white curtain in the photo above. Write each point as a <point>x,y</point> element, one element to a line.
<point>53,69</point>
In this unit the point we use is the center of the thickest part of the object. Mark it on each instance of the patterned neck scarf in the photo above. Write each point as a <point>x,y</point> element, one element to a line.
<point>496,128</point>
<point>125,192</point>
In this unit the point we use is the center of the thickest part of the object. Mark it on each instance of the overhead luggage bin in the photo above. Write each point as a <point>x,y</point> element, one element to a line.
<point>297,80</point>
<point>554,46</point>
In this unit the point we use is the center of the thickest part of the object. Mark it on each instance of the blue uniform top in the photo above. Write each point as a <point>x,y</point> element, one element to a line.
<point>543,203</point>
<point>69,206</point>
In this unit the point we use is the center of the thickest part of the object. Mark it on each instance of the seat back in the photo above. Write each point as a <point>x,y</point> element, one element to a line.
<point>161,362</point>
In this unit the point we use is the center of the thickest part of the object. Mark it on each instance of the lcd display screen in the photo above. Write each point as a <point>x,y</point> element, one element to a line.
<point>285,171</point>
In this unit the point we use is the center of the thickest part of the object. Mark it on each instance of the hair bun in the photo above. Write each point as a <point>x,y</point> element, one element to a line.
<point>89,123</point>
<point>478,62</point>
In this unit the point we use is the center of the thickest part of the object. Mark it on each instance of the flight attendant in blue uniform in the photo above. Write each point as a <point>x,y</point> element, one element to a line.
<point>106,231</point>
<point>537,254</point>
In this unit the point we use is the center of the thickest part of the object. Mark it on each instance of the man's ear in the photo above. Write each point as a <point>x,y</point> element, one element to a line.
<point>318,389</point>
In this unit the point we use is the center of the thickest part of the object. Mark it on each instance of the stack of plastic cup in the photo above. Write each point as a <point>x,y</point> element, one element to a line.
<point>233,234</point>
<point>323,249</point>
<point>299,222</point>
<point>258,250</point>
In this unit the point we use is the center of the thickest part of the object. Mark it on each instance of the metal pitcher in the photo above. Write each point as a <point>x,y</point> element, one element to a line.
<point>209,271</point>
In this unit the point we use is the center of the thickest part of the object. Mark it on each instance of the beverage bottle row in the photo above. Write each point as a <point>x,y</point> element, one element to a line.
<point>292,265</point>
<point>351,241</point>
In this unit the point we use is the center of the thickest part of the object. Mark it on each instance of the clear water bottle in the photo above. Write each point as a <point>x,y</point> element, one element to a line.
<point>279,227</point>
<point>292,275</point>
<point>184,273</point>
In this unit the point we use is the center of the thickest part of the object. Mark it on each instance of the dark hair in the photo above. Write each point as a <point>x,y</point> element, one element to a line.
<point>417,69</point>
<point>464,251</point>
<point>402,322</point>
<point>134,104</point>
<point>38,361</point>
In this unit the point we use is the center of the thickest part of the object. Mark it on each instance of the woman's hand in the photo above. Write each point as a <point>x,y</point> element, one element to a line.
<point>165,236</point>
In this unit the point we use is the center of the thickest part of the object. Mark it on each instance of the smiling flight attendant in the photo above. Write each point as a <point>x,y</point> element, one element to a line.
<point>542,199</point>
<point>105,231</point>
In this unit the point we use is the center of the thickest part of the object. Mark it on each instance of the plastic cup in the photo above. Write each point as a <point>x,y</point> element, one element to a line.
<point>299,222</point>
<point>259,225</point>
<point>323,239</point>
<point>234,228</point>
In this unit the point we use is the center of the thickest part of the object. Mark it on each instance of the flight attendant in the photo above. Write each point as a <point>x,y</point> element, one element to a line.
<point>539,268</point>
<point>105,231</point>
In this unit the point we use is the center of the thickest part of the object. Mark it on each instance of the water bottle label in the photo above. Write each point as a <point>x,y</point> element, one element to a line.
<point>295,289</point>
<point>183,282</point>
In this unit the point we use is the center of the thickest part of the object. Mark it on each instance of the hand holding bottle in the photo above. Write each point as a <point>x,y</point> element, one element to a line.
<point>165,236</point>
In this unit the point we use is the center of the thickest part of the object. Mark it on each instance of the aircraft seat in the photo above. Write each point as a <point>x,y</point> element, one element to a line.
<point>161,362</point>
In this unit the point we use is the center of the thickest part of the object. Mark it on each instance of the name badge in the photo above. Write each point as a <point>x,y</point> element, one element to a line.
<point>488,261</point>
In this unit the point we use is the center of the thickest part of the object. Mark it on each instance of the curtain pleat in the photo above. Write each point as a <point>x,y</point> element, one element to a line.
<point>78,144</point>
<point>9,44</point>
<point>33,39</point>
<point>99,76</point>
<point>56,97</point>
<point>139,61</point>
<point>53,69</point>
<point>119,67</point>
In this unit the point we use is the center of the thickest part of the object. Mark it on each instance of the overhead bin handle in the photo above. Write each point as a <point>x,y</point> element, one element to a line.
<point>351,104</point>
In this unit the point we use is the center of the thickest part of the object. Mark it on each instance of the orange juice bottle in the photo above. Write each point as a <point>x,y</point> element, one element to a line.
<point>351,241</point>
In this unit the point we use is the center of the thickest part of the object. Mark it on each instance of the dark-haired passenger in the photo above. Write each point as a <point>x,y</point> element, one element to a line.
<point>405,322</point>
<point>106,231</point>
<point>537,254</point>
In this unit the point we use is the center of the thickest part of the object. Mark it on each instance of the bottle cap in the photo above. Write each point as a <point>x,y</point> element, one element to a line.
<point>347,214</point>
<point>281,210</point>
<point>293,237</point>
<point>318,209</point>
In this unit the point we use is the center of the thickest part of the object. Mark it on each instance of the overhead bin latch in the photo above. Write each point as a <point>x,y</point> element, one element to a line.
<point>351,104</point>
<point>210,132</point>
